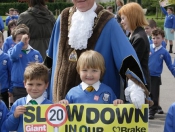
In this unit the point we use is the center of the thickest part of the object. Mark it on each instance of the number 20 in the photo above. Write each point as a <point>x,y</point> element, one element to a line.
<point>58,113</point>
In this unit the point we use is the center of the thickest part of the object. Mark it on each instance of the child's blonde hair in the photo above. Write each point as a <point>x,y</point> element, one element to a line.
<point>36,71</point>
<point>20,29</point>
<point>91,59</point>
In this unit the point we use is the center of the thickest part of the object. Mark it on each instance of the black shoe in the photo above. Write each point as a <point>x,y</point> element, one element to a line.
<point>170,51</point>
<point>151,116</point>
<point>159,110</point>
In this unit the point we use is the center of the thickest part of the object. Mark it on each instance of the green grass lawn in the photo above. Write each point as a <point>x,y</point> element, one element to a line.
<point>3,17</point>
<point>159,20</point>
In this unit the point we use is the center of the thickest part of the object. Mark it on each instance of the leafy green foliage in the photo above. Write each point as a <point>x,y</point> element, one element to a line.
<point>23,6</point>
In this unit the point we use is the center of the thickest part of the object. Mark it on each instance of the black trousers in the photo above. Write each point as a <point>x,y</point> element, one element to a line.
<point>155,91</point>
<point>5,98</point>
<point>18,93</point>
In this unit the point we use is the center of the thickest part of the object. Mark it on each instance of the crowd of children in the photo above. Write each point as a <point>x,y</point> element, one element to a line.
<point>11,15</point>
<point>157,43</point>
<point>15,56</point>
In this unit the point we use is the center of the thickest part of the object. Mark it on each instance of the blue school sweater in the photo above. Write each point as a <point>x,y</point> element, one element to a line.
<point>20,60</point>
<point>3,115</point>
<point>104,95</point>
<point>169,19</point>
<point>16,124</point>
<point>156,61</point>
<point>8,44</point>
<point>1,24</point>
<point>164,44</point>
<point>170,119</point>
<point>8,18</point>
<point>5,71</point>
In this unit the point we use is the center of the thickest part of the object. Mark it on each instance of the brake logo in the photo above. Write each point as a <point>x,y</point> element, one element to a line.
<point>36,128</point>
<point>126,129</point>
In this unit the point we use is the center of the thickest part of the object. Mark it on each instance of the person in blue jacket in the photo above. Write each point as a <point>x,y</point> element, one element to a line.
<point>21,55</point>
<point>9,42</point>
<point>1,25</point>
<point>5,73</point>
<point>170,119</point>
<point>36,79</point>
<point>3,115</point>
<point>158,54</point>
<point>91,67</point>
<point>169,26</point>
<point>102,33</point>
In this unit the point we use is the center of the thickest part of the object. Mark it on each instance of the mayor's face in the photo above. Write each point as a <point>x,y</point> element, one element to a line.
<point>83,5</point>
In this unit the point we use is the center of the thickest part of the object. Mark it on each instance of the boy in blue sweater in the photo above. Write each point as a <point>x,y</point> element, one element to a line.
<point>91,67</point>
<point>5,73</point>
<point>21,55</point>
<point>36,77</point>
<point>157,55</point>
<point>170,119</point>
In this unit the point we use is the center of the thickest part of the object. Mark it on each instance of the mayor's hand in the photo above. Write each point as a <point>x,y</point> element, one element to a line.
<point>135,94</point>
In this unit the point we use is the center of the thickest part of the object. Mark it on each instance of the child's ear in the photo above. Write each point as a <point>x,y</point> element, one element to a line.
<point>24,83</point>
<point>47,84</point>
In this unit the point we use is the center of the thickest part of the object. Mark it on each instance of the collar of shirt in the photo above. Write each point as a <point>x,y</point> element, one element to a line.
<point>1,51</point>
<point>39,100</point>
<point>28,49</point>
<point>149,37</point>
<point>95,85</point>
<point>157,48</point>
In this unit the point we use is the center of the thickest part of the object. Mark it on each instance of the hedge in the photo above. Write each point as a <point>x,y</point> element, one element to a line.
<point>23,6</point>
<point>53,6</point>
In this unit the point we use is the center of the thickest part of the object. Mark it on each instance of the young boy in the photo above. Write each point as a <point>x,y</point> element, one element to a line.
<point>148,29</point>
<point>21,55</point>
<point>91,67</point>
<point>5,73</point>
<point>36,77</point>
<point>157,55</point>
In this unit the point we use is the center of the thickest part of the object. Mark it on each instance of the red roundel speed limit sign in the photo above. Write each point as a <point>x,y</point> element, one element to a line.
<point>56,115</point>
